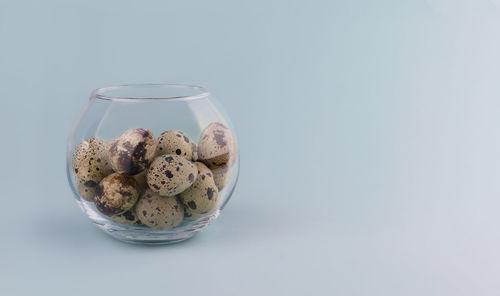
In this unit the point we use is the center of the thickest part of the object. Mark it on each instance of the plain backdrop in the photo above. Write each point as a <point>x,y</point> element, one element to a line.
<point>368,131</point>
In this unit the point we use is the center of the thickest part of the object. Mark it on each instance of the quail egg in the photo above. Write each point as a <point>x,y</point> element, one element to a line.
<point>159,212</point>
<point>90,162</point>
<point>132,151</point>
<point>202,196</point>
<point>176,142</point>
<point>216,146</point>
<point>116,194</point>
<point>169,175</point>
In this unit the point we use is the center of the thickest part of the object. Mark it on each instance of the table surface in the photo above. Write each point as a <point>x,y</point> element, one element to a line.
<point>368,135</point>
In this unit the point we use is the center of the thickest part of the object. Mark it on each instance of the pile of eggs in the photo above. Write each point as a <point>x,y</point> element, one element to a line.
<point>140,180</point>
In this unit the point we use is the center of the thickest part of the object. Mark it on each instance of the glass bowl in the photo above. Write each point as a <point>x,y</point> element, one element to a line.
<point>152,163</point>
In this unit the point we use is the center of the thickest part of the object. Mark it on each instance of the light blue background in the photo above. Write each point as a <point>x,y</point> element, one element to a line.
<point>368,133</point>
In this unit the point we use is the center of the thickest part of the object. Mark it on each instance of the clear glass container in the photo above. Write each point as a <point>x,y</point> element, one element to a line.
<point>152,163</point>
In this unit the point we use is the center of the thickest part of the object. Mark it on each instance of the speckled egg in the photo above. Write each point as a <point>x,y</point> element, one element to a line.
<point>202,196</point>
<point>216,146</point>
<point>176,142</point>
<point>221,176</point>
<point>169,175</point>
<point>86,190</point>
<point>159,212</point>
<point>132,151</point>
<point>129,217</point>
<point>90,162</point>
<point>116,194</point>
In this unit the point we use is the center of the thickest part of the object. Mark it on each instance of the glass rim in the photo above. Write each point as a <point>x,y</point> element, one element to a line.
<point>100,93</point>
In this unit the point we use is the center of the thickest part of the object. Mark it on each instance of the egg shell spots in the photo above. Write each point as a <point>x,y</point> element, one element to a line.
<point>170,175</point>
<point>90,161</point>
<point>159,212</point>
<point>132,152</point>
<point>85,191</point>
<point>176,142</point>
<point>128,218</point>
<point>216,146</point>
<point>203,195</point>
<point>116,194</point>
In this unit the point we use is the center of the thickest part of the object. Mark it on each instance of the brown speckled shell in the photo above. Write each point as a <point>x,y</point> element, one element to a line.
<point>86,192</point>
<point>177,143</point>
<point>131,153</point>
<point>90,162</point>
<point>216,146</point>
<point>129,218</point>
<point>203,195</point>
<point>169,175</point>
<point>116,194</point>
<point>159,212</point>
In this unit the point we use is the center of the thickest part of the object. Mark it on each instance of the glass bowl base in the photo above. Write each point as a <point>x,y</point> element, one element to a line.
<point>134,238</point>
<point>144,235</point>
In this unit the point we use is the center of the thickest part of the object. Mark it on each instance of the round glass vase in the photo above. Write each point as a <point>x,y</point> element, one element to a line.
<point>152,163</point>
